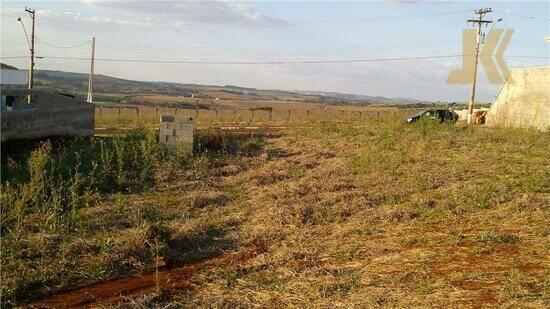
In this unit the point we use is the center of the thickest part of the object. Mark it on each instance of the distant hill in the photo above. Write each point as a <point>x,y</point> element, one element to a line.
<point>7,66</point>
<point>112,89</point>
<point>363,98</point>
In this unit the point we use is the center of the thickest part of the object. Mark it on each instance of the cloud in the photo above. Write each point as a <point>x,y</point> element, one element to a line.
<point>416,1</point>
<point>113,16</point>
<point>191,12</point>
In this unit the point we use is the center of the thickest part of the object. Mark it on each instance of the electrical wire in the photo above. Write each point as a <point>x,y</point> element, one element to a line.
<point>58,46</point>
<point>270,23</point>
<point>263,62</point>
<point>527,17</point>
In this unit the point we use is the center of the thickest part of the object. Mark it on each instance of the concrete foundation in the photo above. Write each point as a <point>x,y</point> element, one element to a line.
<point>523,101</point>
<point>48,114</point>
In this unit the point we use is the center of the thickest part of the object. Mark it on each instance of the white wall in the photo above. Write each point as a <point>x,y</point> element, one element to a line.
<point>13,77</point>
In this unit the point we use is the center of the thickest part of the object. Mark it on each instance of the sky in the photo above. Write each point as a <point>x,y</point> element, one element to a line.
<point>214,42</point>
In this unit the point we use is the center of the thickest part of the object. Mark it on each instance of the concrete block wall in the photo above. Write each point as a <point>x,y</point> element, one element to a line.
<point>176,130</point>
<point>523,100</point>
<point>52,115</point>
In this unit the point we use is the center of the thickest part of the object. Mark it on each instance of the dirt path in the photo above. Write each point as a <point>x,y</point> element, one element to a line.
<point>174,279</point>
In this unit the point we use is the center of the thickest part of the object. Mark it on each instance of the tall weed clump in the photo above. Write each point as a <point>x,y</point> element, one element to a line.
<point>57,181</point>
<point>46,194</point>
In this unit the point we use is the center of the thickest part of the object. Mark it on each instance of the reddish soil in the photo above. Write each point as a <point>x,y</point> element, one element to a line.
<point>114,291</point>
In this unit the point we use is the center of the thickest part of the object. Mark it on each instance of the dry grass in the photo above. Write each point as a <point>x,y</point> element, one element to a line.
<point>377,215</point>
<point>287,113</point>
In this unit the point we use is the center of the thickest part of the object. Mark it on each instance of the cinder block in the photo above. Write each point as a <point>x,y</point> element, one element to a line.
<point>176,130</point>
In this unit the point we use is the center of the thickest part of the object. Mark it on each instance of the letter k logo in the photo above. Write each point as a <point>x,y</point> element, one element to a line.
<point>465,75</point>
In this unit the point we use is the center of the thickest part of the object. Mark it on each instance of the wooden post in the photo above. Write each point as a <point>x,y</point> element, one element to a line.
<point>289,112</point>
<point>216,114</point>
<point>252,115</point>
<point>119,111</point>
<point>176,112</point>
<point>157,111</point>
<point>378,114</point>
<point>137,112</point>
<point>234,115</point>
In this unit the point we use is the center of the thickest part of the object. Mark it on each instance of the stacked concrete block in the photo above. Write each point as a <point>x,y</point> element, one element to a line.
<point>177,130</point>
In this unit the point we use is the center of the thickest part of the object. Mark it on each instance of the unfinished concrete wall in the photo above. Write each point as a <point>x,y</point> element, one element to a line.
<point>177,130</point>
<point>523,100</point>
<point>48,115</point>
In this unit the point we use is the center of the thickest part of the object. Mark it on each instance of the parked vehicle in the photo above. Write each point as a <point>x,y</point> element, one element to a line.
<point>440,115</point>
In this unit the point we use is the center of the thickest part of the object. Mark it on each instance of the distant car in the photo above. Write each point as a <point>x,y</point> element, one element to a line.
<point>440,115</point>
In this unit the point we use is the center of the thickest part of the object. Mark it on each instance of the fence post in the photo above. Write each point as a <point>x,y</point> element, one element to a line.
<point>271,114</point>
<point>137,112</point>
<point>157,111</point>
<point>252,115</point>
<point>216,114</point>
<point>289,112</point>
<point>119,111</point>
<point>176,112</point>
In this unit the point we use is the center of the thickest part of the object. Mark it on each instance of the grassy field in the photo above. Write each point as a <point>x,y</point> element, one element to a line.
<point>362,212</point>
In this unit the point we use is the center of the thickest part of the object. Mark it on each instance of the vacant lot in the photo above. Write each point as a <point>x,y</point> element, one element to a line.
<point>376,214</point>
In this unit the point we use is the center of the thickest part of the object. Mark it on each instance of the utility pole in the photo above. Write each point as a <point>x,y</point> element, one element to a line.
<point>479,21</point>
<point>91,76</point>
<point>31,69</point>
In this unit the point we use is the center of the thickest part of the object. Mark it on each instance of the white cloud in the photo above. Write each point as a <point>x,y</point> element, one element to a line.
<point>191,12</point>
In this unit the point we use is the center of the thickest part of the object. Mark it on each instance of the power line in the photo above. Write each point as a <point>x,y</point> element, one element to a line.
<point>208,50</point>
<point>527,17</point>
<point>60,46</point>
<point>262,62</point>
<point>240,49</point>
<point>273,22</point>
